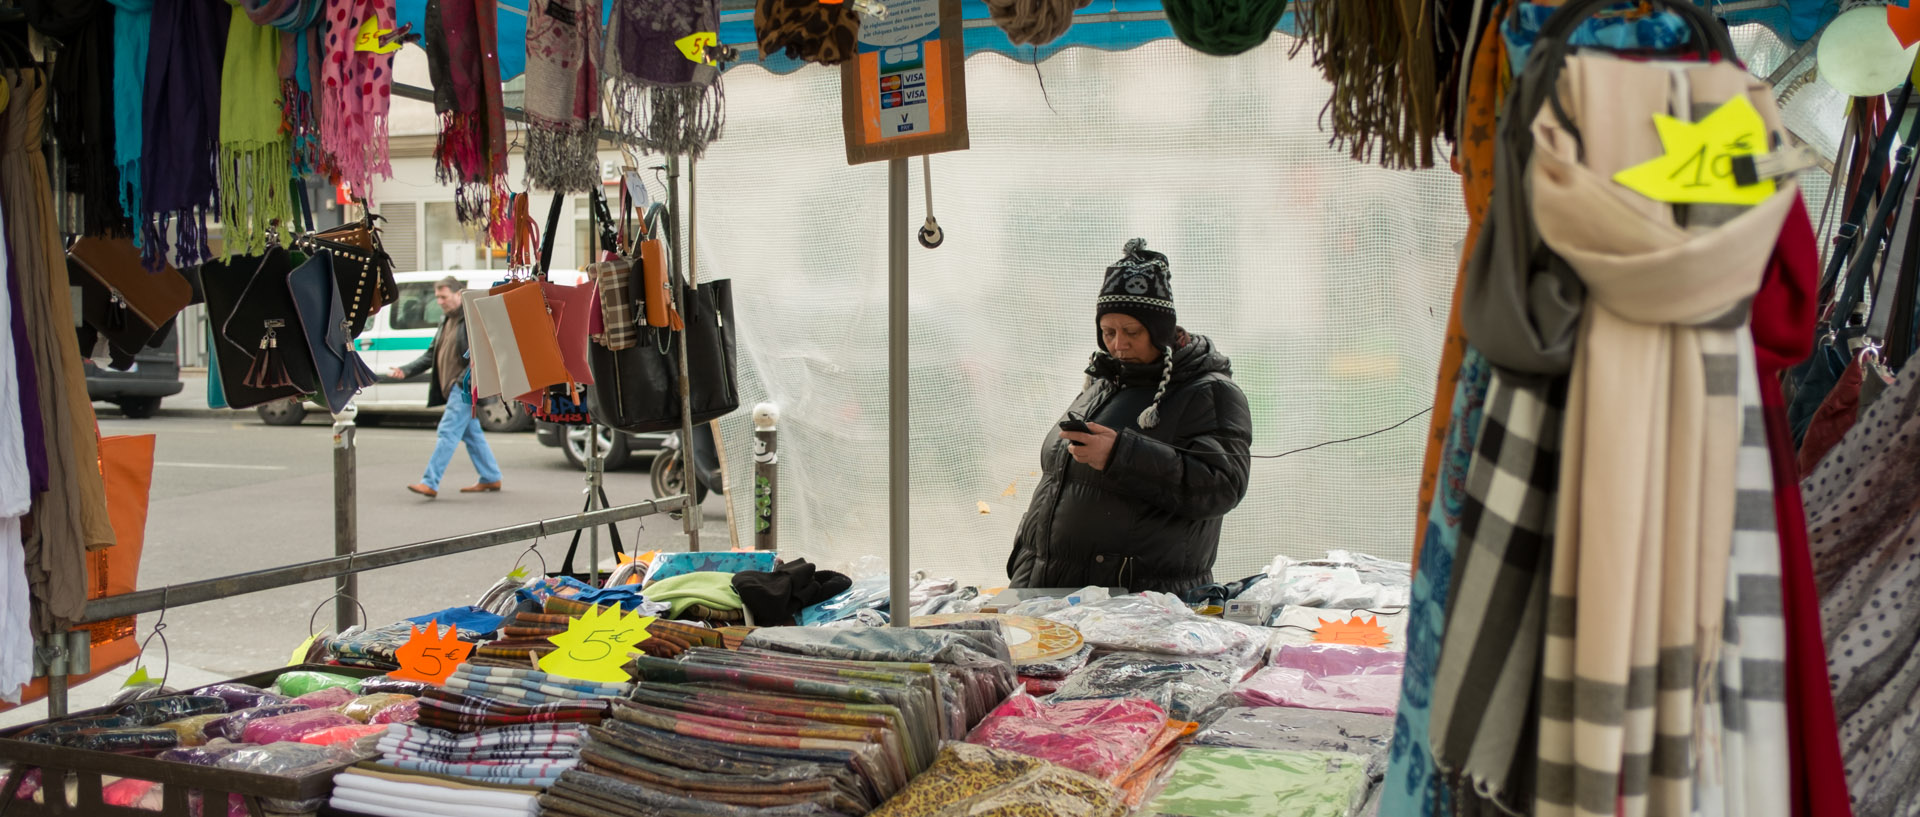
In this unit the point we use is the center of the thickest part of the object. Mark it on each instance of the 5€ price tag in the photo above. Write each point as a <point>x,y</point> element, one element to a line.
<point>695,46</point>
<point>428,656</point>
<point>1698,165</point>
<point>368,38</point>
<point>595,646</point>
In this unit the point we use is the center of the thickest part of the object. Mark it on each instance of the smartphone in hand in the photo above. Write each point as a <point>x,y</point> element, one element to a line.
<point>1076,424</point>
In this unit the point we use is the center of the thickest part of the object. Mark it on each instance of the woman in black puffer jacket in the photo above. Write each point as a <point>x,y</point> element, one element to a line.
<point>1137,502</point>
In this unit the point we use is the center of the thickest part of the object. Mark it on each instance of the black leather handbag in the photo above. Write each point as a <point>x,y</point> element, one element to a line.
<point>337,366</point>
<point>637,389</point>
<point>362,270</point>
<point>262,347</point>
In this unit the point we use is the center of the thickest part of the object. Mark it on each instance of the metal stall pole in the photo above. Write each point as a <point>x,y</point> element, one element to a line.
<point>766,475</point>
<point>898,562</point>
<point>594,465</point>
<point>346,516</point>
<point>689,518</point>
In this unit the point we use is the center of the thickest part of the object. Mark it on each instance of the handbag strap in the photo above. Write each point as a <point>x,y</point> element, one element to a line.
<point>603,218</point>
<point>1868,251</point>
<point>1846,235</point>
<point>613,531</point>
<point>546,241</point>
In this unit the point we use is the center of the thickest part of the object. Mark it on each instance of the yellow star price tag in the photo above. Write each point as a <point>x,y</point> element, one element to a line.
<point>300,652</point>
<point>596,645</point>
<point>368,38</point>
<point>1698,165</point>
<point>695,46</point>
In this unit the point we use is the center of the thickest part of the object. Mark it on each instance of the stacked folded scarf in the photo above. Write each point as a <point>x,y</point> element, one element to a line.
<point>457,712</point>
<point>526,755</point>
<point>528,686</point>
<point>385,791</point>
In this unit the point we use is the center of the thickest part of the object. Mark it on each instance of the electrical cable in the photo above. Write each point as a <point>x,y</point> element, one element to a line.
<point>1410,418</point>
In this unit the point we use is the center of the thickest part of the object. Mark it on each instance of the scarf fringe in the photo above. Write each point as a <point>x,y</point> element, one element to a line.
<point>253,194</point>
<point>300,126</point>
<point>671,119</point>
<point>480,189</point>
<point>189,247</point>
<point>564,157</point>
<point>1376,109</point>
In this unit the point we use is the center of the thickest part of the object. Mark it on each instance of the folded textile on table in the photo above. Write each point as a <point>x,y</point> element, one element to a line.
<point>1212,781</point>
<point>527,686</point>
<point>776,596</point>
<point>1342,580</point>
<point>1328,676</point>
<point>1300,626</point>
<point>533,754</point>
<point>982,782</point>
<point>567,588</point>
<point>709,589</point>
<point>1160,623</point>
<point>868,594</point>
<point>1187,688</point>
<point>468,618</point>
<point>668,565</point>
<point>384,791</point>
<point>456,712</point>
<point>758,780</point>
<point>1102,738</point>
<point>1278,728</point>
<point>376,648</point>
<point>874,644</point>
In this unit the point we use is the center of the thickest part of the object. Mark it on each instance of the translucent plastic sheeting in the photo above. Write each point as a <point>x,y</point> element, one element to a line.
<point>1326,281</point>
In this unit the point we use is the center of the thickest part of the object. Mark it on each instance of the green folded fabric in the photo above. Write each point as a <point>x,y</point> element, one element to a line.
<point>712,589</point>
<point>1220,782</point>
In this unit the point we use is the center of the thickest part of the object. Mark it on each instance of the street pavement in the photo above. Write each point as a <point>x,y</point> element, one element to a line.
<point>232,494</point>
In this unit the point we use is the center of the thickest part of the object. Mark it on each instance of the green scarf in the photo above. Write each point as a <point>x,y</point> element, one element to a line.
<point>256,159</point>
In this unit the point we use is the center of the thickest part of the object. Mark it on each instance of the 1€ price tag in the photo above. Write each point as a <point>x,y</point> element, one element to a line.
<point>368,38</point>
<point>428,656</point>
<point>695,46</point>
<point>1698,165</point>
<point>595,646</point>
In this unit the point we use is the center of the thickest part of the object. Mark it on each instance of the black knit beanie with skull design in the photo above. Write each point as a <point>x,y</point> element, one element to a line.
<point>1141,285</point>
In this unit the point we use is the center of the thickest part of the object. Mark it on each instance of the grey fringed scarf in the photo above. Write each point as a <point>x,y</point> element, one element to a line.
<point>672,103</point>
<point>563,95</point>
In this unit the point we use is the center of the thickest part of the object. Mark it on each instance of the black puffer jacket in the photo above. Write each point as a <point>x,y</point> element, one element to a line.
<point>1151,520</point>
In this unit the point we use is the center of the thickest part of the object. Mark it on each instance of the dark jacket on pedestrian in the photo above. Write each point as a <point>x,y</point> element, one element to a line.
<point>1151,519</point>
<point>446,357</point>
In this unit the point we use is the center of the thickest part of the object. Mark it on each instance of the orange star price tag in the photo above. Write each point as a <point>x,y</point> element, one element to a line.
<point>596,645</point>
<point>428,656</point>
<point>1355,631</point>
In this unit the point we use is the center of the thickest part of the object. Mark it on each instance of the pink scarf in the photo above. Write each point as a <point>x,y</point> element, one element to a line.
<point>355,89</point>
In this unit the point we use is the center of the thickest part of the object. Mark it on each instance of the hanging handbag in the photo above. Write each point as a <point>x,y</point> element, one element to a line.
<point>619,318</point>
<point>654,296</point>
<point>263,353</point>
<point>518,329</point>
<point>340,371</point>
<point>119,298</point>
<point>362,270</point>
<point>637,389</point>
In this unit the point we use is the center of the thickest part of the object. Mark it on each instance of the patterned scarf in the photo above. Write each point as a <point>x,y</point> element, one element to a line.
<point>671,102</point>
<point>254,160</point>
<point>181,119</point>
<point>355,93</point>
<point>472,151</point>
<point>563,95</point>
<point>299,46</point>
<point>132,28</point>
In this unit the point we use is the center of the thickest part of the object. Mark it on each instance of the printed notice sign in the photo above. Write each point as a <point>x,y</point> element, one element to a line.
<point>905,92</point>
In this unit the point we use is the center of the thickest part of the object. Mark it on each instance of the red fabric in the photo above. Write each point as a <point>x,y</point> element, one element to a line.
<point>1783,316</point>
<point>1833,418</point>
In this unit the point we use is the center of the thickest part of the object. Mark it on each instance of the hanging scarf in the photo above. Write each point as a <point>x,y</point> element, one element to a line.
<point>299,44</point>
<point>132,29</point>
<point>808,30</point>
<point>82,121</point>
<point>255,162</point>
<point>354,95</point>
<point>472,151</point>
<point>1641,551</point>
<point>671,103</point>
<point>182,127</point>
<point>563,95</point>
<point>1378,56</point>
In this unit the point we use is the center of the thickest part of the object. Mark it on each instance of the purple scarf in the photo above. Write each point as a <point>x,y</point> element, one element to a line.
<point>30,423</point>
<point>182,128</point>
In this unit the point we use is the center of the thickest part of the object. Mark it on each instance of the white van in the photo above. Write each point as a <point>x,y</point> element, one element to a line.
<point>402,331</point>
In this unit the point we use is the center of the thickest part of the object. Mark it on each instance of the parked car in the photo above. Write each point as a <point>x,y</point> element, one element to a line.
<point>400,332</point>
<point>618,449</point>
<point>138,391</point>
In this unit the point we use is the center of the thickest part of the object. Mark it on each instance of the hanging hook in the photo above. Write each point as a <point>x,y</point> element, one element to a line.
<point>166,652</point>
<point>311,619</point>
<point>930,233</point>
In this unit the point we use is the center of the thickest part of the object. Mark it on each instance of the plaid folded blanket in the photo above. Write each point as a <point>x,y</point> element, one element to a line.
<point>455,712</point>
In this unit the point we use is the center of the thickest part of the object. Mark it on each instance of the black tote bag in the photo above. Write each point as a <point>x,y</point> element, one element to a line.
<point>637,389</point>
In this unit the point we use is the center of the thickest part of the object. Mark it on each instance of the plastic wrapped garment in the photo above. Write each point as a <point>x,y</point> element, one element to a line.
<point>977,781</point>
<point>136,740</point>
<point>376,648</point>
<point>1160,623</point>
<point>52,732</point>
<point>1343,580</point>
<point>140,692</point>
<point>1327,676</point>
<point>287,759</point>
<point>1102,738</point>
<point>343,734</point>
<point>865,594</point>
<point>207,755</point>
<point>192,731</point>
<point>242,696</point>
<point>328,698</point>
<point>469,619</point>
<point>1058,668</point>
<point>1210,781</point>
<point>385,684</point>
<point>156,711</point>
<point>962,647</point>
<point>233,726</point>
<point>1186,688</point>
<point>364,708</point>
<point>1285,728</point>
<point>296,684</point>
<point>292,726</point>
<point>403,712</point>
<point>1300,626</point>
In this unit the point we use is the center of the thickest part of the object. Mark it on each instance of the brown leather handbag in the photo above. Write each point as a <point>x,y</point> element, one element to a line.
<point>119,298</point>
<point>362,270</point>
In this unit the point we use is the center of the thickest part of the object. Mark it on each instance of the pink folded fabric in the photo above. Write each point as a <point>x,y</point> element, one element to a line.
<point>1102,738</point>
<point>1341,659</point>
<point>327,698</point>
<point>293,727</point>
<point>1286,686</point>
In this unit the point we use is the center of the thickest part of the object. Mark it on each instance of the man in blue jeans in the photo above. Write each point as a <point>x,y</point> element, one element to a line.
<point>451,386</point>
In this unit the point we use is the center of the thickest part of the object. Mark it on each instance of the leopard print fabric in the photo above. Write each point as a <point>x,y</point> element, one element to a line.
<point>807,30</point>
